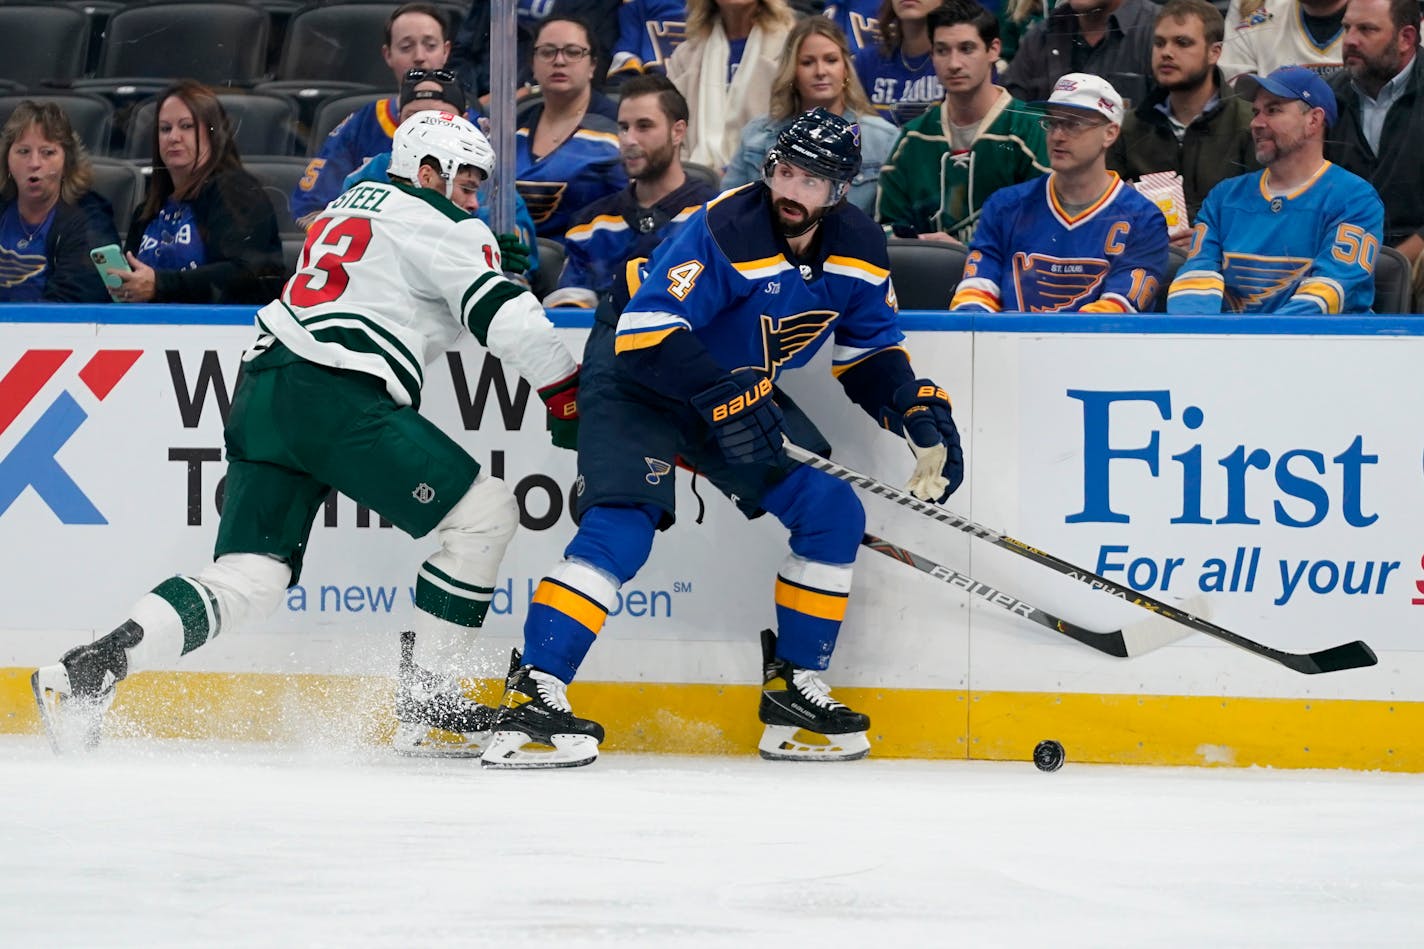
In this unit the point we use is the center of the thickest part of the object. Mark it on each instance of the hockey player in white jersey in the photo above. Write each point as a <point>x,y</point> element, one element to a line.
<point>391,275</point>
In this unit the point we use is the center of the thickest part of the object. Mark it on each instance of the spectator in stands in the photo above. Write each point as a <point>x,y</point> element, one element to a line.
<point>206,232</point>
<point>1380,134</point>
<point>415,39</point>
<point>471,61</point>
<point>1264,35</point>
<point>1079,239</point>
<point>898,73</point>
<point>1112,39</point>
<point>725,71</point>
<point>49,220</point>
<point>1192,123</point>
<point>649,31</point>
<point>859,20</point>
<point>1016,18</point>
<point>652,120</point>
<point>567,145</point>
<point>1299,237</point>
<point>947,162</point>
<point>816,72</point>
<point>423,91</point>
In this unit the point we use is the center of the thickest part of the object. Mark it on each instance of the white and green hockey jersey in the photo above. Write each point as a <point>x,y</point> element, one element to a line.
<point>388,279</point>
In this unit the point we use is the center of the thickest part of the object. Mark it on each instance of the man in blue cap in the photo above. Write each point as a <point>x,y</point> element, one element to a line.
<point>1299,237</point>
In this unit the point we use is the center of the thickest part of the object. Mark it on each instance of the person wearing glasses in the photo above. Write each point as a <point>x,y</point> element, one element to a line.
<point>567,154</point>
<point>1078,240</point>
<point>415,39</point>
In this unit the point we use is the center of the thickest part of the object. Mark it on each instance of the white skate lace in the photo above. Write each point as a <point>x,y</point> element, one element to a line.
<point>551,690</point>
<point>813,689</point>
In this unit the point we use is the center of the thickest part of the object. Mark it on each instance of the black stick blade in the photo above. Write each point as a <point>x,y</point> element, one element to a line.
<point>1355,655</point>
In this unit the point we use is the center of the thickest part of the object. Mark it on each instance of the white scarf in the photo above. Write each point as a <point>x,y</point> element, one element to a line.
<point>716,138</point>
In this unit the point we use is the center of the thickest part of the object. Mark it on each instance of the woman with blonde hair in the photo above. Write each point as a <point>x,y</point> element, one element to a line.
<point>49,220</point>
<point>725,71</point>
<point>206,232</point>
<point>816,72</point>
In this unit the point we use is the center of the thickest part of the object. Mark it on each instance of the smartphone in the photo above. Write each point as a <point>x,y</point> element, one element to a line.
<point>106,258</point>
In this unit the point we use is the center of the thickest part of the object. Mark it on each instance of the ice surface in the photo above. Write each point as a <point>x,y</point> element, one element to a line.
<point>162,844</point>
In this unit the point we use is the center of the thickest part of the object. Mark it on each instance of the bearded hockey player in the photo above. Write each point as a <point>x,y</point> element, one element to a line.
<point>751,286</point>
<point>391,276</point>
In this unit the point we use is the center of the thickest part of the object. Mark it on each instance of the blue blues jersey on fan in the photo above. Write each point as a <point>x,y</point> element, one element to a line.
<point>648,32</point>
<point>899,86</point>
<point>1308,251</point>
<point>612,231</point>
<point>362,135</point>
<point>578,172</point>
<point>1029,255</point>
<point>725,278</point>
<point>857,19</point>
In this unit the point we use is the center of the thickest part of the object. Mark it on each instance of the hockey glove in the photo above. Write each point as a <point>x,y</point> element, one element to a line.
<point>561,398</point>
<point>743,417</point>
<point>513,253</point>
<point>929,428</point>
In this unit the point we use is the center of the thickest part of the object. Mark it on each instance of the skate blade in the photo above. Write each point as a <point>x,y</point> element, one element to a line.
<point>789,743</point>
<point>509,749</point>
<point>422,741</point>
<point>71,726</point>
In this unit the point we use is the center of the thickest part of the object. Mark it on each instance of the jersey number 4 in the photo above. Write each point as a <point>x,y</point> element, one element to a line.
<point>321,273</point>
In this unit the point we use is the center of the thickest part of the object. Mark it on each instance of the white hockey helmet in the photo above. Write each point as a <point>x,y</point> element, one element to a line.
<point>449,139</point>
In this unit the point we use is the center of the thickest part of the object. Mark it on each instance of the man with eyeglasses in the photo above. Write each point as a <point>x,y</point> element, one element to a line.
<point>1299,237</point>
<point>415,40</point>
<point>1079,240</point>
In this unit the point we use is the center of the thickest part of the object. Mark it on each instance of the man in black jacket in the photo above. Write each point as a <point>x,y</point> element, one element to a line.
<point>1107,38</point>
<point>1380,134</point>
<point>1193,123</point>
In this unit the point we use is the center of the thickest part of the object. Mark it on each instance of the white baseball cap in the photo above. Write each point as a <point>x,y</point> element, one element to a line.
<point>1080,90</point>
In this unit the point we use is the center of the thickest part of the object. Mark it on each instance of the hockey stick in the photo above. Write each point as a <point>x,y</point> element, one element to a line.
<point>1121,643</point>
<point>1352,655</point>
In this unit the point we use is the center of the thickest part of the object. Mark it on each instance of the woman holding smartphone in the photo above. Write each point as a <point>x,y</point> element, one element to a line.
<point>49,220</point>
<point>206,232</point>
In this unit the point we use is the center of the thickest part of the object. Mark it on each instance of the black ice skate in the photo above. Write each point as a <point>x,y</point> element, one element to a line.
<point>536,712</point>
<point>794,701</point>
<point>74,693</point>
<point>434,717</point>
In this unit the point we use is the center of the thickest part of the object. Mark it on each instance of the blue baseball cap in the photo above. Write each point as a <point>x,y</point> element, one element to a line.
<point>1294,82</point>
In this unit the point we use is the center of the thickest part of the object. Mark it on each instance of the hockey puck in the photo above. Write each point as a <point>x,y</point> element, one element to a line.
<point>1048,755</point>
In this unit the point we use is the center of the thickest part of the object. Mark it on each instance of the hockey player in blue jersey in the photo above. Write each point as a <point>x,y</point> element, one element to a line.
<point>1079,239</point>
<point>652,120</point>
<point>752,286</point>
<point>1299,237</point>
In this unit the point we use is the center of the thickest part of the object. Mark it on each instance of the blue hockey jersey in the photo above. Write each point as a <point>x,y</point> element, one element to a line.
<point>361,136</point>
<point>1030,256</point>
<point>858,20</point>
<point>614,230</point>
<point>584,168</point>
<point>648,32</point>
<point>1307,252</point>
<point>729,277</point>
<point>900,87</point>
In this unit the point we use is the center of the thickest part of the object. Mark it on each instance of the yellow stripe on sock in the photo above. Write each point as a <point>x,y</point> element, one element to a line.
<point>817,603</point>
<point>572,604</point>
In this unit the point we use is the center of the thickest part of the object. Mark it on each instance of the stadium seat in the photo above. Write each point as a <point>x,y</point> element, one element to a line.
<point>216,43</point>
<point>39,43</point>
<point>702,173</point>
<point>292,251</point>
<point>262,125</point>
<point>122,184</point>
<point>332,112</point>
<point>551,264</point>
<point>1394,282</point>
<point>340,42</point>
<point>279,176</point>
<point>98,13</point>
<point>1175,258</point>
<point>925,272</point>
<point>91,116</point>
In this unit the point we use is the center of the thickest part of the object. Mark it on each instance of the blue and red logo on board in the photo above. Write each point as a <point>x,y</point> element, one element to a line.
<point>32,461</point>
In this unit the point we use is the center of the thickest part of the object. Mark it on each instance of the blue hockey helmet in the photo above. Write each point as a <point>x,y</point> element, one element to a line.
<point>822,143</point>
